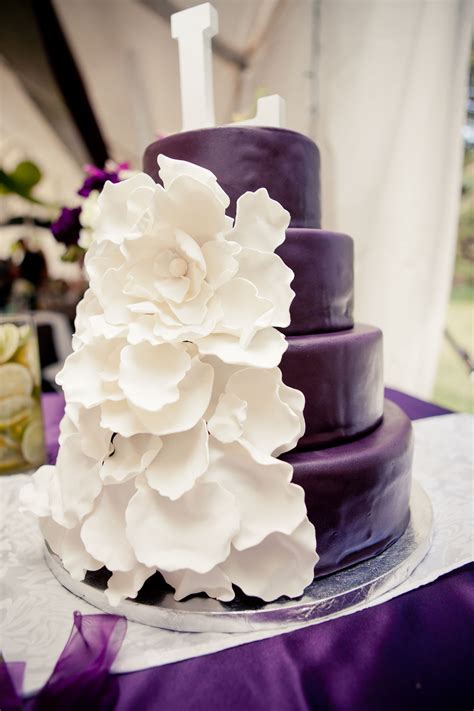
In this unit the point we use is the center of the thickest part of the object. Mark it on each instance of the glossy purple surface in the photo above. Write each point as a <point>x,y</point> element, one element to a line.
<point>284,162</point>
<point>341,377</point>
<point>357,494</point>
<point>324,280</point>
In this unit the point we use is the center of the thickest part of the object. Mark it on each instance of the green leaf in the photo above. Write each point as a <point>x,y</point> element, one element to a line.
<point>26,175</point>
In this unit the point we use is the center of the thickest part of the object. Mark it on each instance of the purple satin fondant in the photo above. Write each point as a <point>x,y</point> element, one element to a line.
<point>324,280</point>
<point>341,377</point>
<point>284,162</point>
<point>357,494</point>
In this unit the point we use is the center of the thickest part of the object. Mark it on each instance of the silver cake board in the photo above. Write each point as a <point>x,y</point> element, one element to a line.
<point>324,597</point>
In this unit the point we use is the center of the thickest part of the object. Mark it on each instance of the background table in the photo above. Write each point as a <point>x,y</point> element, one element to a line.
<point>413,652</point>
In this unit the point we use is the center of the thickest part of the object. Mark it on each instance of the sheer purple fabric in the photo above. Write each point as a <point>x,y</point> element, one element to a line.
<point>81,678</point>
<point>11,683</point>
<point>413,652</point>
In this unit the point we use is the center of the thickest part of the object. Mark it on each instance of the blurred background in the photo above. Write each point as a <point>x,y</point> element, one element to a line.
<point>385,87</point>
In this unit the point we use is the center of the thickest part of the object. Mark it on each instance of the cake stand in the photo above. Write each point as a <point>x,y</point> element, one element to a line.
<point>361,583</point>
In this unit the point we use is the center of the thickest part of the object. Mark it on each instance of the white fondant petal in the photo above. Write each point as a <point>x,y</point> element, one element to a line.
<point>170,169</point>
<point>260,222</point>
<point>281,565</point>
<point>103,531</point>
<point>227,421</point>
<point>221,261</point>
<point>67,544</point>
<point>127,584</point>
<point>243,310</point>
<point>195,392</point>
<point>265,498</point>
<point>149,375</point>
<point>192,532</point>
<point>215,583</point>
<point>256,386</point>
<point>265,350</point>
<point>78,484</point>
<point>272,279</point>
<point>183,458</point>
<point>122,207</point>
<point>204,216</point>
<point>34,496</point>
<point>131,456</point>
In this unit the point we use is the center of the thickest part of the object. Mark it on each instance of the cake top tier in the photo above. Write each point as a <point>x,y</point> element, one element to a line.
<point>284,162</point>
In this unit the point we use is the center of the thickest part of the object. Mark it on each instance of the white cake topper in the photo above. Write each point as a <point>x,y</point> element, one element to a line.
<point>193,28</point>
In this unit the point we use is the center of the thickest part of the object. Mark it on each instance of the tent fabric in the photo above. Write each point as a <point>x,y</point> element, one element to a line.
<point>379,84</point>
<point>385,101</point>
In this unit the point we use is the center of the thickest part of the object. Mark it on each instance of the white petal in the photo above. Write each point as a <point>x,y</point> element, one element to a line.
<point>87,373</point>
<point>184,457</point>
<point>194,311</point>
<point>204,215</point>
<point>265,498</point>
<point>272,279</point>
<point>194,395</point>
<point>34,496</point>
<point>122,206</point>
<point>221,261</point>
<point>271,424</point>
<point>121,585</point>
<point>244,312</point>
<point>215,583</point>
<point>193,532</point>
<point>227,422</point>
<point>149,375</point>
<point>119,416</point>
<point>79,483</point>
<point>295,401</point>
<point>171,168</point>
<point>95,440</point>
<point>131,456</point>
<point>280,565</point>
<point>265,350</point>
<point>103,531</point>
<point>67,544</point>
<point>260,222</point>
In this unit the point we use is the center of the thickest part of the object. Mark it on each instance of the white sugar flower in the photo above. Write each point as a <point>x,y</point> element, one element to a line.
<point>171,266</point>
<point>176,409</point>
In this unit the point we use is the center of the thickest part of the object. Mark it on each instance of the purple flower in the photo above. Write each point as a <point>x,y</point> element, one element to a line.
<point>67,227</point>
<point>96,178</point>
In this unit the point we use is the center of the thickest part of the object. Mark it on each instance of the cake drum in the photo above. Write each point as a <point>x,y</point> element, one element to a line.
<point>340,591</point>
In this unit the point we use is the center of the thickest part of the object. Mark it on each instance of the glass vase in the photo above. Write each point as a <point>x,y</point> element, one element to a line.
<point>22,445</point>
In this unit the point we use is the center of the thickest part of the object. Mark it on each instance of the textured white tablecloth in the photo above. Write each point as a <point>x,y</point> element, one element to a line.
<point>36,612</point>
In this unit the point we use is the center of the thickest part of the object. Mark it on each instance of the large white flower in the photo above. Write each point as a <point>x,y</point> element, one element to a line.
<point>170,265</point>
<point>176,409</point>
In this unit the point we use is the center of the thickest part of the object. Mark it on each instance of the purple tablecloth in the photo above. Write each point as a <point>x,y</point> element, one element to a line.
<point>413,652</point>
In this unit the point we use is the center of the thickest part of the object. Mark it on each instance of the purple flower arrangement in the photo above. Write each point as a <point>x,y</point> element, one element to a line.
<point>72,227</point>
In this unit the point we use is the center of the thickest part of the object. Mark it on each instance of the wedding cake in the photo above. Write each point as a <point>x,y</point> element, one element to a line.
<point>225,426</point>
<point>354,459</point>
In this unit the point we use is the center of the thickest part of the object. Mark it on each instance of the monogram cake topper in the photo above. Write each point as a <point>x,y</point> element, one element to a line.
<point>193,29</point>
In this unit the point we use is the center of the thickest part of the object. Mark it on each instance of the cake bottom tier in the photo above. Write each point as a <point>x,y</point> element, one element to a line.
<point>357,494</point>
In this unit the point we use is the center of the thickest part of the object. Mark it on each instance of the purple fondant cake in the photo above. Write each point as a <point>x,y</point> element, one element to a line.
<point>354,461</point>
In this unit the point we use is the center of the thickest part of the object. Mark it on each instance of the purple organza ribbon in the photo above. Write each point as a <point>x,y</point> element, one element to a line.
<point>81,676</point>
